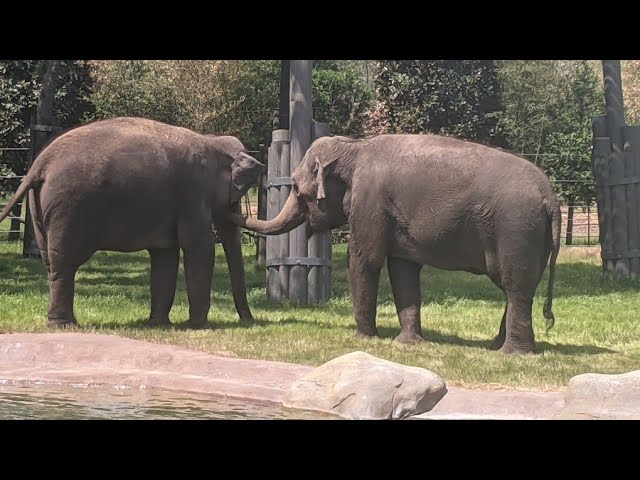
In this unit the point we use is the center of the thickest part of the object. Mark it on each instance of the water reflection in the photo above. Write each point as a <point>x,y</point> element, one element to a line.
<point>57,402</point>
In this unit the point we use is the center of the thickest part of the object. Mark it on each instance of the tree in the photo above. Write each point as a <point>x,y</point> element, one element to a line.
<point>447,97</point>
<point>570,143</point>
<point>549,105</point>
<point>20,84</point>
<point>631,89</point>
<point>223,96</point>
<point>135,88</point>
<point>342,99</point>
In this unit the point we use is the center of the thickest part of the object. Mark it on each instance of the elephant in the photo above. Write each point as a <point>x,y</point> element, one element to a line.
<point>128,184</point>
<point>422,199</point>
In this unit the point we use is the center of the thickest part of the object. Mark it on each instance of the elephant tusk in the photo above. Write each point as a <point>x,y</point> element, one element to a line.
<point>320,180</point>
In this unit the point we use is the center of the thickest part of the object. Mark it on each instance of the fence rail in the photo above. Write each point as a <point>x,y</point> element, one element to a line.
<point>584,231</point>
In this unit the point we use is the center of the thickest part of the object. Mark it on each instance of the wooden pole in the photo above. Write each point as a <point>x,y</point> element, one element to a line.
<point>285,83</point>
<point>601,152</point>
<point>615,122</point>
<point>285,189</point>
<point>261,241</point>
<point>632,170</point>
<point>274,290</point>
<point>319,276</point>
<point>299,139</point>
<point>43,130</point>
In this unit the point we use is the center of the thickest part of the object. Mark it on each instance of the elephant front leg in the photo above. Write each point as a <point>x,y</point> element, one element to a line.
<point>230,236</point>
<point>405,282</point>
<point>363,279</point>
<point>164,274</point>
<point>198,270</point>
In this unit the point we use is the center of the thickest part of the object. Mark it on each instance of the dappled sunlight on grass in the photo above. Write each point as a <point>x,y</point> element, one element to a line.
<point>597,329</point>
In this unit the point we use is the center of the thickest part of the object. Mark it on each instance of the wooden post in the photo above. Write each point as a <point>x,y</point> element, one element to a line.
<point>569,232</point>
<point>601,152</point>
<point>261,241</point>
<point>300,138</point>
<point>632,170</point>
<point>43,130</point>
<point>274,290</point>
<point>285,189</point>
<point>283,110</point>
<point>319,276</point>
<point>615,122</point>
<point>14,233</point>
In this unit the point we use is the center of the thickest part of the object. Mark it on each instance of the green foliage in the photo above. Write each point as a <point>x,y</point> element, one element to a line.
<point>549,105</point>
<point>341,99</point>
<point>132,88</point>
<point>20,82</point>
<point>448,97</point>
<point>19,91</point>
<point>224,97</point>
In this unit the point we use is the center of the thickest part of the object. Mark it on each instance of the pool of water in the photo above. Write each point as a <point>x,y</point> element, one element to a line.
<point>63,402</point>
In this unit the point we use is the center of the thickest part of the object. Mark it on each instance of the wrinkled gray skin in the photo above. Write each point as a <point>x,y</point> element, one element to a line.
<point>419,200</point>
<point>129,184</point>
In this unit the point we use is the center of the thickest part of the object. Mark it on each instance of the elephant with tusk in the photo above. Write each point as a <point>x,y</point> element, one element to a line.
<point>419,200</point>
<point>128,184</point>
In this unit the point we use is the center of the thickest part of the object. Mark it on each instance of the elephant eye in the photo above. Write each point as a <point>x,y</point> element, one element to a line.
<point>296,191</point>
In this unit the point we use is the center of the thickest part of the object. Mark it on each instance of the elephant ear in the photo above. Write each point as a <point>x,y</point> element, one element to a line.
<point>321,174</point>
<point>245,171</point>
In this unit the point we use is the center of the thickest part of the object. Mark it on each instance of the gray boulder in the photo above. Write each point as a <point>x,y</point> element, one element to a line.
<point>606,397</point>
<point>361,386</point>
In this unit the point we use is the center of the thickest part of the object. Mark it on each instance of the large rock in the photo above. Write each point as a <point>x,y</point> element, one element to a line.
<point>607,397</point>
<point>361,386</point>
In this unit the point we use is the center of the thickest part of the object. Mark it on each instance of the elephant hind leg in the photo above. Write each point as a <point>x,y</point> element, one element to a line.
<point>405,282</point>
<point>519,337</point>
<point>38,229</point>
<point>67,252</point>
<point>164,275</point>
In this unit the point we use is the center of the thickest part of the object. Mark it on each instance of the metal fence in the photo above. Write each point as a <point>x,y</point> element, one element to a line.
<point>584,222</point>
<point>12,228</point>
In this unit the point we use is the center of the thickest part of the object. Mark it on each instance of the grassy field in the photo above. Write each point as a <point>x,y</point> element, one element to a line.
<point>597,326</point>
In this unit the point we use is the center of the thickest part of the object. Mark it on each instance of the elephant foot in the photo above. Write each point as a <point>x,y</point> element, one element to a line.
<point>367,334</point>
<point>61,323</point>
<point>199,325</point>
<point>511,349</point>
<point>158,322</point>
<point>497,343</point>
<point>247,318</point>
<point>409,338</point>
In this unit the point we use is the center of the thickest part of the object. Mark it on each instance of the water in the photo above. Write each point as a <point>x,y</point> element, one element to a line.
<point>61,402</point>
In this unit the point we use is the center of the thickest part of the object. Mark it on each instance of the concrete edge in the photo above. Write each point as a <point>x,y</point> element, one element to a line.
<point>109,360</point>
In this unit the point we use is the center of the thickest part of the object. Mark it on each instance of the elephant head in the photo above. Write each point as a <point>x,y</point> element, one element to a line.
<point>243,174</point>
<point>320,190</point>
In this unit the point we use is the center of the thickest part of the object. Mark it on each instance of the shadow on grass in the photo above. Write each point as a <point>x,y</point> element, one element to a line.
<point>182,325</point>
<point>541,346</point>
<point>126,271</point>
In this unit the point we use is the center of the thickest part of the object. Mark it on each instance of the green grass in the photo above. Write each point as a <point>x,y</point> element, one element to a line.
<point>597,326</point>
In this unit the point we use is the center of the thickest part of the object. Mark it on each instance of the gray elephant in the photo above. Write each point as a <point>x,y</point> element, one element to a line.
<point>429,200</point>
<point>130,184</point>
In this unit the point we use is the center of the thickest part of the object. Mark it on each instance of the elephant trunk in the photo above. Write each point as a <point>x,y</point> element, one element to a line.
<point>291,216</point>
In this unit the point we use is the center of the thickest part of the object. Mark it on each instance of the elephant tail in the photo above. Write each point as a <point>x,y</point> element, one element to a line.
<point>28,183</point>
<point>555,218</point>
